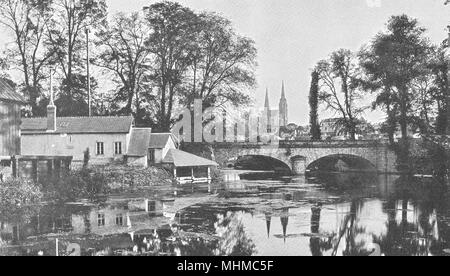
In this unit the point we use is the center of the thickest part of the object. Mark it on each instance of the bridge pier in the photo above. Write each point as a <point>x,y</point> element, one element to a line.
<point>299,166</point>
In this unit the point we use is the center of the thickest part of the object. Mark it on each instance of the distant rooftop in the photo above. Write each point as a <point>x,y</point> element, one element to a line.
<point>8,93</point>
<point>79,125</point>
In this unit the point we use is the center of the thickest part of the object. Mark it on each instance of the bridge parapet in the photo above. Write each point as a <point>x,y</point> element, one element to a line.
<point>300,144</point>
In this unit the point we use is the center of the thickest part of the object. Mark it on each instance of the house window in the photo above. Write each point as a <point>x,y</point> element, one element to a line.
<point>151,156</point>
<point>119,220</point>
<point>101,220</point>
<point>118,148</point>
<point>100,148</point>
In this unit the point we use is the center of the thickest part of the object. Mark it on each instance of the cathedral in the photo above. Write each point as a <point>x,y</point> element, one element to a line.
<point>282,110</point>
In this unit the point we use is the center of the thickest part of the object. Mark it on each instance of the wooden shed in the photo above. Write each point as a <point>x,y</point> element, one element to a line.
<point>10,118</point>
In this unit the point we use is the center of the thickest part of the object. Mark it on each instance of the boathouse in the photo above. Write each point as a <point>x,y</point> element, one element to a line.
<point>189,168</point>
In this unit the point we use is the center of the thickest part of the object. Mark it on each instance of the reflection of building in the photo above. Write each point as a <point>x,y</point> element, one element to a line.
<point>83,220</point>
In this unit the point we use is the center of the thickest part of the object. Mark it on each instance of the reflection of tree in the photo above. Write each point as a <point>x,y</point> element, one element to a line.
<point>228,226</point>
<point>349,231</point>
<point>418,237</point>
<point>233,238</point>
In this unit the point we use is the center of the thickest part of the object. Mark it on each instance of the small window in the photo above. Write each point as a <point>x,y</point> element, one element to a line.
<point>100,148</point>
<point>118,148</point>
<point>101,220</point>
<point>119,220</point>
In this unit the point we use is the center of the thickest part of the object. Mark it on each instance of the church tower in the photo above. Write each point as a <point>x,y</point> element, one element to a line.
<point>283,108</point>
<point>268,112</point>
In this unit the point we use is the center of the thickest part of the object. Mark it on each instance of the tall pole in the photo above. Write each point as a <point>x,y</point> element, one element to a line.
<point>52,97</point>
<point>88,73</point>
<point>448,90</point>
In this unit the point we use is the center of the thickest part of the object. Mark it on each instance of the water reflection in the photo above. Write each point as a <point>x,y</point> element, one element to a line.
<point>328,215</point>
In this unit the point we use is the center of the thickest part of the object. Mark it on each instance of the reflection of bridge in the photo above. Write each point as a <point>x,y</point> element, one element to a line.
<point>298,156</point>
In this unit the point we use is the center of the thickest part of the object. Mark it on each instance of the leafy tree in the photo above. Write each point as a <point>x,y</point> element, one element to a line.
<point>223,64</point>
<point>314,105</point>
<point>67,38</point>
<point>124,53</point>
<point>377,80</point>
<point>439,66</point>
<point>405,49</point>
<point>339,82</point>
<point>28,22</point>
<point>172,43</point>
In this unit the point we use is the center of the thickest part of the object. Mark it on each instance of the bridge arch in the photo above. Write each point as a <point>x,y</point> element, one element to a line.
<point>262,163</point>
<point>342,163</point>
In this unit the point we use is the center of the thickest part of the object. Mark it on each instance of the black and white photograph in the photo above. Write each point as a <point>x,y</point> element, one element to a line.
<point>224,128</point>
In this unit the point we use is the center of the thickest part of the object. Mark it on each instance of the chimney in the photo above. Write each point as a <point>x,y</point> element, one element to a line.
<point>51,108</point>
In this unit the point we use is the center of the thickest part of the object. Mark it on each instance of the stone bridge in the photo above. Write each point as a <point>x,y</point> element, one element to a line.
<point>298,156</point>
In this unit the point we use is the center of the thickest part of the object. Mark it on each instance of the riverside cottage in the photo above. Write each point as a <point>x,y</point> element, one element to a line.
<point>106,138</point>
<point>110,139</point>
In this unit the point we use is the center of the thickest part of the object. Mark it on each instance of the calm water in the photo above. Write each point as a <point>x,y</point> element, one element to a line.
<point>251,214</point>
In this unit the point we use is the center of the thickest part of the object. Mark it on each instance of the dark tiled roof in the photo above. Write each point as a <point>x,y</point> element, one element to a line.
<point>183,159</point>
<point>159,140</point>
<point>79,125</point>
<point>7,93</point>
<point>139,141</point>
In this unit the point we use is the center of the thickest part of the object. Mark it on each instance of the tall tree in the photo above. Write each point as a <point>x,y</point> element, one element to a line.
<point>222,69</point>
<point>439,66</point>
<point>124,53</point>
<point>340,89</point>
<point>67,37</point>
<point>377,80</point>
<point>405,50</point>
<point>27,20</point>
<point>172,44</point>
<point>314,107</point>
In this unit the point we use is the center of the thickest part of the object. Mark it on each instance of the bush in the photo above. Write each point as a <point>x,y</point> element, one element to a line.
<point>84,183</point>
<point>125,178</point>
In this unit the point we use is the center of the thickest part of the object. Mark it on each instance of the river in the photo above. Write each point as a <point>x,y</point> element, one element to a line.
<point>248,213</point>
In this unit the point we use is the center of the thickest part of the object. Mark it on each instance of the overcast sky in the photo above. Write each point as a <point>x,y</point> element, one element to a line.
<point>292,35</point>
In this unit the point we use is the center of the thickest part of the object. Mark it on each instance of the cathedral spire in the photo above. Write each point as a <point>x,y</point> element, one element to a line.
<point>283,107</point>
<point>267,104</point>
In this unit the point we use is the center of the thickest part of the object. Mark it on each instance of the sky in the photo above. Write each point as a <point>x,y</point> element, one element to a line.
<point>293,35</point>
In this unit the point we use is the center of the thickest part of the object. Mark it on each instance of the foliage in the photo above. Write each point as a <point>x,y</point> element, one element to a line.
<point>124,53</point>
<point>314,106</point>
<point>75,185</point>
<point>339,88</point>
<point>126,178</point>
<point>27,21</point>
